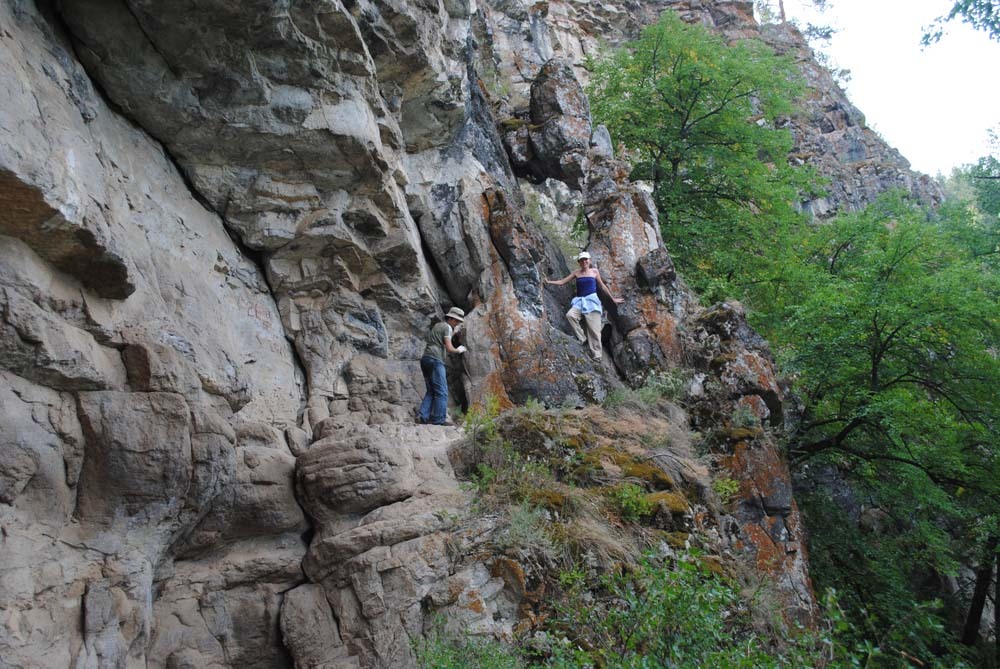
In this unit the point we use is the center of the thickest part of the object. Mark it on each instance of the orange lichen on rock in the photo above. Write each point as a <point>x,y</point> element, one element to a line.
<point>755,468</point>
<point>475,602</point>
<point>516,581</point>
<point>768,555</point>
<point>748,370</point>
<point>512,574</point>
<point>493,386</point>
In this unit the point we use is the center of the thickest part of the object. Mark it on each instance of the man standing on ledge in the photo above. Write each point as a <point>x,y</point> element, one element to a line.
<point>433,410</point>
<point>586,304</point>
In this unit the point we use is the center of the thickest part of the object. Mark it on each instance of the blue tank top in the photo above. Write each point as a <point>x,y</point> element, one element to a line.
<point>586,285</point>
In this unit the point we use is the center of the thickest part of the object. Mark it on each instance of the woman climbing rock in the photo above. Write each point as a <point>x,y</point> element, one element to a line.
<point>433,410</point>
<point>586,305</point>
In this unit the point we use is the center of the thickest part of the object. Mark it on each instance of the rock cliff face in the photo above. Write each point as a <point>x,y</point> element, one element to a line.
<point>224,228</point>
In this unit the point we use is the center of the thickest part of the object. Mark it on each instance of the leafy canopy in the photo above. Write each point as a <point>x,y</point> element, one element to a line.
<point>890,327</point>
<point>701,119</point>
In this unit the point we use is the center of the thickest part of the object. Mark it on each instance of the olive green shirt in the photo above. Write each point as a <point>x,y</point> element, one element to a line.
<point>435,340</point>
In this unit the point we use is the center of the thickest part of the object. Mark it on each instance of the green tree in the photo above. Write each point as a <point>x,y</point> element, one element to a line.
<point>887,320</point>
<point>892,334</point>
<point>703,121</point>
<point>985,176</point>
<point>976,188</point>
<point>906,317</point>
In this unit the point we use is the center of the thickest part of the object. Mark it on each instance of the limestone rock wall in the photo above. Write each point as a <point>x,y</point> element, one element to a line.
<point>147,386</point>
<point>224,229</point>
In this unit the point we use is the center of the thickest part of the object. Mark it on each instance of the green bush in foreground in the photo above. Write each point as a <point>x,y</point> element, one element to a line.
<point>659,615</point>
<point>656,614</point>
<point>439,651</point>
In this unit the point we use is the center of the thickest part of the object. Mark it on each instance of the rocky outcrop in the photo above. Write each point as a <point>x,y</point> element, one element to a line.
<point>225,228</point>
<point>383,500</point>
<point>739,401</point>
<point>832,137</point>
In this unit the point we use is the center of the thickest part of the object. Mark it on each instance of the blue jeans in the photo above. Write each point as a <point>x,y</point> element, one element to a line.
<point>434,408</point>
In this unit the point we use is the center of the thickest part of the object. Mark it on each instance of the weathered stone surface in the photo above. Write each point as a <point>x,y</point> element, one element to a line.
<point>133,331</point>
<point>560,130</point>
<point>137,457</point>
<point>222,610</point>
<point>383,498</point>
<point>310,631</point>
<point>72,240</point>
<point>41,448</point>
<point>740,377</point>
<point>291,124</point>
<point>357,476</point>
<point>44,348</point>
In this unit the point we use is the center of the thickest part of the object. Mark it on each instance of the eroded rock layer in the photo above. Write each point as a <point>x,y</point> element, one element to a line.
<point>147,389</point>
<point>225,228</point>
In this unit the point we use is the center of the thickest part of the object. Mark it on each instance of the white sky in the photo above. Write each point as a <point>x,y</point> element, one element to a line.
<point>933,104</point>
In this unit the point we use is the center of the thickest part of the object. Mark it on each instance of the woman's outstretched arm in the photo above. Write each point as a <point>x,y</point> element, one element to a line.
<point>563,281</point>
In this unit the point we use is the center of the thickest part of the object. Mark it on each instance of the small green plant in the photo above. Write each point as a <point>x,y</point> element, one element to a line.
<point>484,476</point>
<point>669,384</point>
<point>441,650</point>
<point>617,398</point>
<point>744,417</point>
<point>495,83</point>
<point>581,227</point>
<point>666,614</point>
<point>481,420</point>
<point>525,529</point>
<point>631,502</point>
<point>573,579</point>
<point>533,406</point>
<point>569,241</point>
<point>726,488</point>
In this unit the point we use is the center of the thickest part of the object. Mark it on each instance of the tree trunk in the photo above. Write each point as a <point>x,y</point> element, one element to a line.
<point>970,633</point>
<point>781,11</point>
